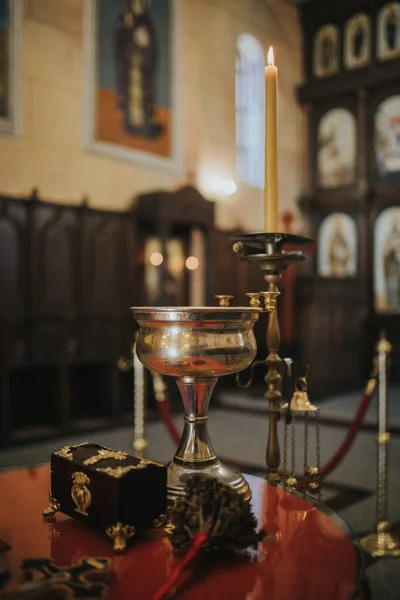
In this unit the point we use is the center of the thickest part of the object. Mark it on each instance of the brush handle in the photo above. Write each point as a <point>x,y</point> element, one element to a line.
<point>194,551</point>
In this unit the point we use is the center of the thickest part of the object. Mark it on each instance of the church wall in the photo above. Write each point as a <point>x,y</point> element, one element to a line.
<point>50,153</point>
<point>272,22</point>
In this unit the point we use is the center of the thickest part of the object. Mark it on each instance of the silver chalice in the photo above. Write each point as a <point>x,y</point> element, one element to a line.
<point>196,345</point>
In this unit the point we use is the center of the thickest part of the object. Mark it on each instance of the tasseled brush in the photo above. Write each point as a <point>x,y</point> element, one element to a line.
<point>210,516</point>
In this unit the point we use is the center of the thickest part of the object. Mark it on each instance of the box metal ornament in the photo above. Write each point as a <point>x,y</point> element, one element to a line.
<point>109,489</point>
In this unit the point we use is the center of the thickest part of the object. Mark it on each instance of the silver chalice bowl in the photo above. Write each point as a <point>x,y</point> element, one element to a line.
<point>196,345</point>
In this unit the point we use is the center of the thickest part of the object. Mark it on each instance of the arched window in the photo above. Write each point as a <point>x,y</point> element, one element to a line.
<point>250,99</point>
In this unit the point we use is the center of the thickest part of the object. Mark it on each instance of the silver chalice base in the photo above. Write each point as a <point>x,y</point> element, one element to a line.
<point>196,345</point>
<point>178,474</point>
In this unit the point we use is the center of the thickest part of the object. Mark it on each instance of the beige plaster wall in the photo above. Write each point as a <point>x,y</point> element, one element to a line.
<point>50,154</point>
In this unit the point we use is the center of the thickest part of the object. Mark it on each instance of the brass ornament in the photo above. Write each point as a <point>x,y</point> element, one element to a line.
<point>80,493</point>
<point>66,451</point>
<point>140,444</point>
<point>223,300</point>
<point>382,542</point>
<point>146,461</point>
<point>254,299</point>
<point>314,480</point>
<point>270,299</point>
<point>291,481</point>
<point>120,533</point>
<point>160,521</point>
<point>124,364</point>
<point>119,471</point>
<point>104,454</point>
<point>169,528</point>
<point>163,522</point>
<point>300,401</point>
<point>237,247</point>
<point>370,387</point>
<point>383,345</point>
<point>53,507</point>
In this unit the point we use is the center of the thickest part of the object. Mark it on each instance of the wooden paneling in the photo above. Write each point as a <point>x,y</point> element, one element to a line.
<point>52,261</point>
<point>13,283</point>
<point>65,276</point>
<point>68,277</point>
<point>329,327</point>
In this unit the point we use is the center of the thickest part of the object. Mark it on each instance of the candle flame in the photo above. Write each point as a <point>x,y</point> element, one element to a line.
<point>271,61</point>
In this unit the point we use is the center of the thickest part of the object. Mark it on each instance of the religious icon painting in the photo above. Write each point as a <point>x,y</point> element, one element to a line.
<point>337,246</point>
<point>357,41</point>
<point>11,15</point>
<point>131,80</point>
<point>387,261</point>
<point>388,31</point>
<point>336,163</point>
<point>326,51</point>
<point>387,138</point>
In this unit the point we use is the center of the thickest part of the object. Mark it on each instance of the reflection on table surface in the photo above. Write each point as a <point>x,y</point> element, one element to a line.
<point>306,556</point>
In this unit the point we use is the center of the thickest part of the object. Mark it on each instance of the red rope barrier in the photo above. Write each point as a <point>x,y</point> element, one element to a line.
<point>351,434</point>
<point>164,408</point>
<point>168,420</point>
<point>346,444</point>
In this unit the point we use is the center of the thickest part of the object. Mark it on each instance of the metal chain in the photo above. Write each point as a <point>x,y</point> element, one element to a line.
<point>318,448</point>
<point>293,446</point>
<point>382,483</point>
<point>305,442</point>
<point>285,450</point>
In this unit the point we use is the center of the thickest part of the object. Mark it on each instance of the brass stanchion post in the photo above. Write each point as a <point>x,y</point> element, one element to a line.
<point>382,542</point>
<point>125,364</point>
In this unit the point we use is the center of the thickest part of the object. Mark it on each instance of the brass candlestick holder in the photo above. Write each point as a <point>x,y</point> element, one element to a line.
<point>382,542</point>
<point>196,345</point>
<point>266,250</point>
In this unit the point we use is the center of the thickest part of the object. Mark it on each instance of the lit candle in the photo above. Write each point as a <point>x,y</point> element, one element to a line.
<point>271,218</point>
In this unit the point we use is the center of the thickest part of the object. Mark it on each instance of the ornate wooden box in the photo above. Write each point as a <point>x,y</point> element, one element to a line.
<point>110,489</point>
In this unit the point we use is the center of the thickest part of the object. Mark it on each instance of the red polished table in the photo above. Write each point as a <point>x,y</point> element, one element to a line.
<point>308,554</point>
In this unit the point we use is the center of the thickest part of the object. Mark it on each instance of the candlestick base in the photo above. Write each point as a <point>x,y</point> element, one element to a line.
<point>380,543</point>
<point>266,249</point>
<point>265,237</point>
